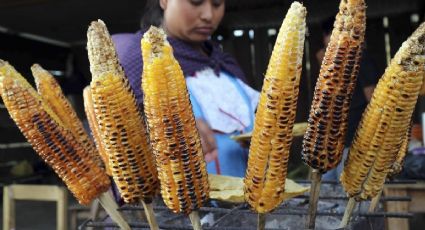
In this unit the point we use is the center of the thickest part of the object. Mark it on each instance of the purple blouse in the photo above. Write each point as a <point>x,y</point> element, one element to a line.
<point>191,60</point>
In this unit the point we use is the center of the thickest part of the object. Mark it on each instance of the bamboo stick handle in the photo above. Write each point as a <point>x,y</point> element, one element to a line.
<point>111,207</point>
<point>196,222</point>
<point>348,211</point>
<point>375,201</point>
<point>261,224</point>
<point>316,180</point>
<point>150,215</point>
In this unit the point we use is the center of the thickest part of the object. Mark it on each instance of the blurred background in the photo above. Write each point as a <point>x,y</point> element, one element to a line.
<point>53,34</point>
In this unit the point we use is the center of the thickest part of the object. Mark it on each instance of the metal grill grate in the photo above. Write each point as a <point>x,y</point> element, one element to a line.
<point>239,217</point>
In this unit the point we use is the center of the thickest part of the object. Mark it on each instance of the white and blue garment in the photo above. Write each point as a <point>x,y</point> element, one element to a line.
<point>228,105</point>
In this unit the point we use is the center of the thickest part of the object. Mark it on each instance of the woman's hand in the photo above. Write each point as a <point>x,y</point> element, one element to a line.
<point>209,146</point>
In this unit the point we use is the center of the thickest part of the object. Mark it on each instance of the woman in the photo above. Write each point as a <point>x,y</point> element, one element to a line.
<point>222,103</point>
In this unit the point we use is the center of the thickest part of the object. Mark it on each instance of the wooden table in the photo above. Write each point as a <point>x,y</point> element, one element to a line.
<point>11,193</point>
<point>417,205</point>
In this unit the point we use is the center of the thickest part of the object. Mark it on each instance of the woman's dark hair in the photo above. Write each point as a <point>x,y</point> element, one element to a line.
<point>152,14</point>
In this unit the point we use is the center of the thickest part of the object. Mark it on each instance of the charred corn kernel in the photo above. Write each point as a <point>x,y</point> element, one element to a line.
<point>398,164</point>
<point>51,93</point>
<point>56,145</point>
<point>272,135</point>
<point>327,124</point>
<point>120,122</point>
<point>174,137</point>
<point>94,127</point>
<point>385,121</point>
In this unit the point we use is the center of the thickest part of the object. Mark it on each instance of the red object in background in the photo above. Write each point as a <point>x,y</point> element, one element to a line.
<point>416,132</point>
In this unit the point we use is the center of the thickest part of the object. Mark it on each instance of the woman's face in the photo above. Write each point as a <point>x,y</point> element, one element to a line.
<point>192,20</point>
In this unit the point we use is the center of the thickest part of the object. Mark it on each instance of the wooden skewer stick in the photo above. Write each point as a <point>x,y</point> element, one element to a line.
<point>261,224</point>
<point>111,207</point>
<point>375,201</point>
<point>316,180</point>
<point>196,222</point>
<point>347,214</point>
<point>150,215</point>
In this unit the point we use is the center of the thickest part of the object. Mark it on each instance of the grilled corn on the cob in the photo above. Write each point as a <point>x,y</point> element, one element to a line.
<point>272,135</point>
<point>385,121</point>
<point>120,122</point>
<point>324,140</point>
<point>175,140</point>
<point>51,93</point>
<point>55,144</point>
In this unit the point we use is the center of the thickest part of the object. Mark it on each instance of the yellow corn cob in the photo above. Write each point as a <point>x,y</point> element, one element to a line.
<point>324,139</point>
<point>175,140</point>
<point>272,134</point>
<point>385,121</point>
<point>51,93</point>
<point>94,127</point>
<point>120,122</point>
<point>56,145</point>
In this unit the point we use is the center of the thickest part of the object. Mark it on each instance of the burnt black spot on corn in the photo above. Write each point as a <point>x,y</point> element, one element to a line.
<point>121,125</point>
<point>382,130</point>
<point>324,140</point>
<point>272,135</point>
<point>175,139</point>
